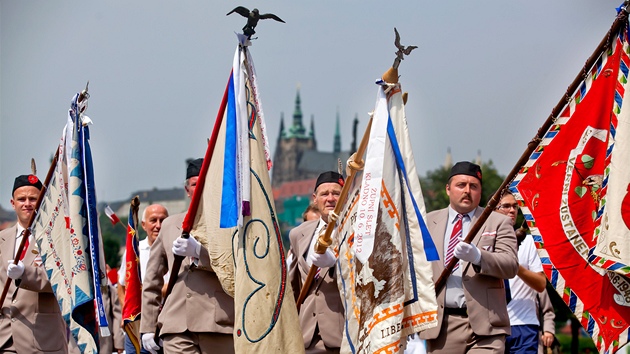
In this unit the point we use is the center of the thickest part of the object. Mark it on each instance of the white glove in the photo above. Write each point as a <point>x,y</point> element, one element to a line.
<point>467,252</point>
<point>149,344</point>
<point>187,247</point>
<point>324,260</point>
<point>15,271</point>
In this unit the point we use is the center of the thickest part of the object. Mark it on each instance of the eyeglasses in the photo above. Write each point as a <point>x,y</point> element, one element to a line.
<point>507,206</point>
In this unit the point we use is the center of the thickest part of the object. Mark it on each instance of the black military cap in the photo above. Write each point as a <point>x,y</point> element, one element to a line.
<point>27,180</point>
<point>329,177</point>
<point>194,167</point>
<point>466,168</point>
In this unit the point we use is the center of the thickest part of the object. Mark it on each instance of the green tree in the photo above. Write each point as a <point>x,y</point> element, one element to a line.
<point>114,237</point>
<point>434,186</point>
<point>111,247</point>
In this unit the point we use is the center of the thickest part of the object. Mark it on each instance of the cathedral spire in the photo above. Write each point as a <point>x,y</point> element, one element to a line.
<point>311,134</point>
<point>297,129</point>
<point>337,143</point>
<point>282,133</point>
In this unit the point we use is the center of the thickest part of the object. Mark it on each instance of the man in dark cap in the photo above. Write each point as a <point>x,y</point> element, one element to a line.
<point>31,321</point>
<point>472,312</point>
<point>198,316</point>
<point>321,314</point>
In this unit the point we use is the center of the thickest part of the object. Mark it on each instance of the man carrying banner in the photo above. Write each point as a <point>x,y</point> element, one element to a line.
<point>523,288</point>
<point>152,218</point>
<point>472,312</point>
<point>31,320</point>
<point>199,315</point>
<point>321,315</point>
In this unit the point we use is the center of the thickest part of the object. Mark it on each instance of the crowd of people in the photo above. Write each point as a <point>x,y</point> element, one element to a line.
<point>493,301</point>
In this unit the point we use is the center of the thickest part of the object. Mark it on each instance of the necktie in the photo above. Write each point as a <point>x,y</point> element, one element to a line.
<point>508,292</point>
<point>25,246</point>
<point>454,240</point>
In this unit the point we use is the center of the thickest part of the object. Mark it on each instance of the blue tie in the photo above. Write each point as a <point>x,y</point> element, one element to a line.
<point>508,293</point>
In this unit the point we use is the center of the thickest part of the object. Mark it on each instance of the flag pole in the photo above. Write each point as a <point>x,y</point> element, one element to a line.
<point>194,203</point>
<point>325,239</point>
<point>31,219</point>
<point>604,45</point>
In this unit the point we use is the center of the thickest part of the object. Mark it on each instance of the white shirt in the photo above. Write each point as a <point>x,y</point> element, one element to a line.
<point>522,308</point>
<point>455,296</point>
<point>18,239</point>
<point>144,250</point>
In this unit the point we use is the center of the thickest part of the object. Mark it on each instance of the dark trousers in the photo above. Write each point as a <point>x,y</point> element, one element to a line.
<point>523,340</point>
<point>130,349</point>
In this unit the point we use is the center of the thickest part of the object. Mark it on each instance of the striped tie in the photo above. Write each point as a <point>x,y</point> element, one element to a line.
<point>453,241</point>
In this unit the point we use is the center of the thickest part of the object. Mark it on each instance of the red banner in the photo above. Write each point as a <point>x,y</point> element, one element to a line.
<point>561,191</point>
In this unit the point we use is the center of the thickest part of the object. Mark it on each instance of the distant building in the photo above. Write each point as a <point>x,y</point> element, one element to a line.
<point>7,218</point>
<point>297,163</point>
<point>173,199</point>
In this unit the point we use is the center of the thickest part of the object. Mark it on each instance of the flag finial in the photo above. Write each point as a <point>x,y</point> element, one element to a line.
<point>252,19</point>
<point>391,75</point>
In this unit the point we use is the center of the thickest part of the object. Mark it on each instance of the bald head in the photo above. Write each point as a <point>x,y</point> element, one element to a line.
<point>152,218</point>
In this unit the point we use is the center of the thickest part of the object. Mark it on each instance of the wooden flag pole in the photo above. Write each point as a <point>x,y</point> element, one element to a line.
<point>621,19</point>
<point>325,239</point>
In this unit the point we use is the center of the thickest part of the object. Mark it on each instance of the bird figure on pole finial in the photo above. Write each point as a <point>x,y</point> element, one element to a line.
<point>402,50</point>
<point>252,19</point>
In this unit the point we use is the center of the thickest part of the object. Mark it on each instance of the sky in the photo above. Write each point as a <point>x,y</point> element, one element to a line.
<point>485,76</point>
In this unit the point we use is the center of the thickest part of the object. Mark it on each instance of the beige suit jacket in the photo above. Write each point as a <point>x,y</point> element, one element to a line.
<point>322,306</point>
<point>547,315</point>
<point>30,316</point>
<point>197,303</point>
<point>483,285</point>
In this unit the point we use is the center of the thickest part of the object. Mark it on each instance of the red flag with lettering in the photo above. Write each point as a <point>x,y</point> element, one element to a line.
<point>562,193</point>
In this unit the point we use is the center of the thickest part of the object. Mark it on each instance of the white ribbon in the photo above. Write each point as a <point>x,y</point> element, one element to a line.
<point>367,213</point>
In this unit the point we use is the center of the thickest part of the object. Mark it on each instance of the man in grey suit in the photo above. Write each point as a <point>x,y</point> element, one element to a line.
<point>31,321</point>
<point>198,316</point>
<point>472,312</point>
<point>321,314</point>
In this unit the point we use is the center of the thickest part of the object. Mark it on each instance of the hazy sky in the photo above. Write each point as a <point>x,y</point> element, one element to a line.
<point>485,76</point>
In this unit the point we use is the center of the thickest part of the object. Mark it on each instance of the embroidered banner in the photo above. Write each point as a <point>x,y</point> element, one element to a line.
<point>391,295</point>
<point>569,192</point>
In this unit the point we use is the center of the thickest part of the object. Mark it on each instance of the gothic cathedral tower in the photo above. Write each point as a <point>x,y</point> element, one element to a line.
<point>291,145</point>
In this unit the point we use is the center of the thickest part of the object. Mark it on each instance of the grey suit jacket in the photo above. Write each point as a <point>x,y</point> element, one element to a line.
<point>483,285</point>
<point>197,303</point>
<point>31,316</point>
<point>322,307</point>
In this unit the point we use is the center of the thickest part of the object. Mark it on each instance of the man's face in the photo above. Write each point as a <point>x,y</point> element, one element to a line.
<point>508,206</point>
<point>325,197</point>
<point>23,202</point>
<point>152,222</point>
<point>464,193</point>
<point>191,184</point>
